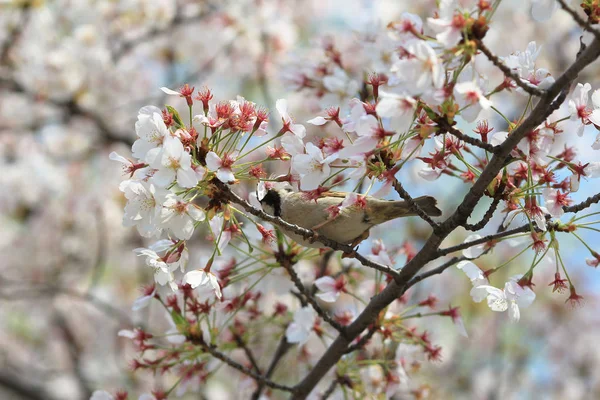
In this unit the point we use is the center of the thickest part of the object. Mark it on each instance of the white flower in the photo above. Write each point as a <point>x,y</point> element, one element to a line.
<point>297,129</point>
<point>143,206</point>
<point>330,289</point>
<point>512,298</point>
<point>200,277</point>
<point>421,72</point>
<point>163,271</point>
<point>449,25</point>
<point>469,94</point>
<point>594,117</point>
<point>359,121</point>
<point>380,254</point>
<point>221,165</point>
<point>590,170</point>
<point>179,216</point>
<point>578,106</point>
<point>555,200</point>
<point>302,325</point>
<point>101,395</point>
<point>151,130</point>
<point>473,251</point>
<point>399,108</point>
<point>477,278</point>
<point>143,301</point>
<point>405,28</point>
<point>174,162</point>
<point>312,167</point>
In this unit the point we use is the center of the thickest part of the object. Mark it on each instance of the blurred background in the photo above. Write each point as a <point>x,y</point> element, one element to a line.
<point>73,75</point>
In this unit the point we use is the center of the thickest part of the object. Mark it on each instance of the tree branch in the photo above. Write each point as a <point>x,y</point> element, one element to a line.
<point>241,344</point>
<point>258,377</point>
<point>526,86</point>
<point>446,127</point>
<point>490,211</point>
<point>413,205</point>
<point>429,251</point>
<point>583,205</point>
<point>305,233</point>
<point>286,263</point>
<point>580,21</point>
<point>282,349</point>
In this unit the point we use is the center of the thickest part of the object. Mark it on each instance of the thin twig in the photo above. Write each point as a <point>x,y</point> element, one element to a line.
<point>363,340</point>
<point>526,86</point>
<point>446,127</point>
<point>583,205</point>
<point>305,233</point>
<point>413,205</point>
<point>241,344</point>
<point>282,349</point>
<point>485,239</point>
<point>580,21</point>
<point>490,211</point>
<point>330,390</point>
<point>286,263</point>
<point>247,371</point>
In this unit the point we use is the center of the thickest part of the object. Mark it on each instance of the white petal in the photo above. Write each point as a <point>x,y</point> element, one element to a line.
<point>225,175</point>
<point>213,161</point>
<point>317,121</point>
<point>170,91</point>
<point>195,278</point>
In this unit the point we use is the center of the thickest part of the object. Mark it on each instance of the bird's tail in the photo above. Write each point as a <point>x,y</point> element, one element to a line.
<point>403,209</point>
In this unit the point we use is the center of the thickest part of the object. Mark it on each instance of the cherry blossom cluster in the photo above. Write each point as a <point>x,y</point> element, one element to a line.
<point>206,170</point>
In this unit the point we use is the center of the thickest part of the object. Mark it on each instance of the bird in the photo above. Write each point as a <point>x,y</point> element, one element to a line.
<point>350,226</point>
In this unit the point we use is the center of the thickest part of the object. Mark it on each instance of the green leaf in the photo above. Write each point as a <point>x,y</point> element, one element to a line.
<point>176,117</point>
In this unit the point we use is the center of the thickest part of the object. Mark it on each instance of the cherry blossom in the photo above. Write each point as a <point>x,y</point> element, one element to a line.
<point>200,277</point>
<point>477,277</point>
<point>302,325</point>
<point>179,216</point>
<point>400,109</point>
<point>151,131</point>
<point>222,166</point>
<point>163,270</point>
<point>511,298</point>
<point>449,24</point>
<point>578,106</point>
<point>555,200</point>
<point>312,167</point>
<point>288,124</point>
<point>143,206</point>
<point>173,162</point>
<point>330,288</point>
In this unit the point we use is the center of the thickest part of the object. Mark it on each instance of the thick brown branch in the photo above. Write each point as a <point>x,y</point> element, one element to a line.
<point>545,106</point>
